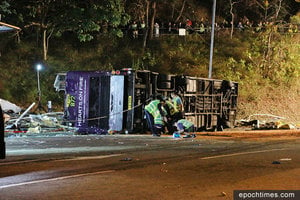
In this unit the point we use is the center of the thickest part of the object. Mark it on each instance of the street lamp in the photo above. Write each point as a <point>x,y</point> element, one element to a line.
<point>212,39</point>
<point>38,69</point>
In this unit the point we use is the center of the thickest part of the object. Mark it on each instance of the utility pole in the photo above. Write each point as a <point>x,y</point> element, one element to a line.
<point>38,69</point>
<point>212,39</point>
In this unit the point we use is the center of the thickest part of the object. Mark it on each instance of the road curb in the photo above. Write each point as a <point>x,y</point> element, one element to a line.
<point>233,133</point>
<point>252,133</point>
<point>45,134</point>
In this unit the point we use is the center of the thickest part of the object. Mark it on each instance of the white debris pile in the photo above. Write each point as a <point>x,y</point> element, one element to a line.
<point>265,122</point>
<point>50,120</point>
<point>25,122</point>
<point>38,123</point>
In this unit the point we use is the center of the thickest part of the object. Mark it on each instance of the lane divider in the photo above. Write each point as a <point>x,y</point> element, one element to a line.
<point>59,160</point>
<point>56,179</point>
<point>88,158</point>
<point>241,153</point>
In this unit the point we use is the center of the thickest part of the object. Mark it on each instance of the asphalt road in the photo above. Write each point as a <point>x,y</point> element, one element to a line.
<point>144,167</point>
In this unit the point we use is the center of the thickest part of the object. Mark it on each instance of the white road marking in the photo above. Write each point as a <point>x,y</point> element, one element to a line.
<point>110,171</point>
<point>67,159</point>
<point>56,179</point>
<point>21,162</point>
<point>89,157</point>
<point>241,153</point>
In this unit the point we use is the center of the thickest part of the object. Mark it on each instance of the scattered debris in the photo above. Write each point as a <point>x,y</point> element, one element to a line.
<point>276,162</point>
<point>35,123</point>
<point>126,159</point>
<point>223,194</point>
<point>281,125</point>
<point>163,168</point>
<point>285,159</point>
<point>23,114</point>
<point>189,136</point>
<point>34,130</point>
<point>265,122</point>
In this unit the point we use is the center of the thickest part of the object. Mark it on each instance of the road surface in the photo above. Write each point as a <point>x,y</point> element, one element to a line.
<point>141,167</point>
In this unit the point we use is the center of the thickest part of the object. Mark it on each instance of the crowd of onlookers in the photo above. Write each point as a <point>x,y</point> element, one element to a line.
<point>204,26</point>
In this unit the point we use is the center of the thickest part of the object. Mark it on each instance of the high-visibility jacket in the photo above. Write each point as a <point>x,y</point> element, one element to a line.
<point>172,108</point>
<point>177,102</point>
<point>186,123</point>
<point>153,109</point>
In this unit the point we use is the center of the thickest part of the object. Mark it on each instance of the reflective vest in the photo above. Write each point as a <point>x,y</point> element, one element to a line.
<point>186,124</point>
<point>173,109</point>
<point>152,108</point>
<point>177,102</point>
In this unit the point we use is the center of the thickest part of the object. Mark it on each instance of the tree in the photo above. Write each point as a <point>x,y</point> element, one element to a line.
<point>4,8</point>
<point>154,3</point>
<point>84,18</point>
<point>232,3</point>
<point>269,51</point>
<point>181,11</point>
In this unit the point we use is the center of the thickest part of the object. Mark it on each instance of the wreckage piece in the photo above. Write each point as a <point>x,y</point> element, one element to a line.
<point>39,123</point>
<point>265,115</point>
<point>8,106</point>
<point>24,113</point>
<point>16,122</point>
<point>257,123</point>
<point>47,120</point>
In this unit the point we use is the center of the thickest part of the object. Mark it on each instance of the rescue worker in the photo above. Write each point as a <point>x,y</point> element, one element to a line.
<point>156,115</point>
<point>172,115</point>
<point>177,102</point>
<point>184,127</point>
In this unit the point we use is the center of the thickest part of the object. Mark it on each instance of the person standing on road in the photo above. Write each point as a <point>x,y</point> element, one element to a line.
<point>156,115</point>
<point>184,127</point>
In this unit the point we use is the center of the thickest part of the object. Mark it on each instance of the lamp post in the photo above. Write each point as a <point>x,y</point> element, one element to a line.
<point>212,39</point>
<point>38,69</point>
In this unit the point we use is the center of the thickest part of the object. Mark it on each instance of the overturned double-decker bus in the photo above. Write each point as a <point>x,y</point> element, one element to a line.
<point>98,101</point>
